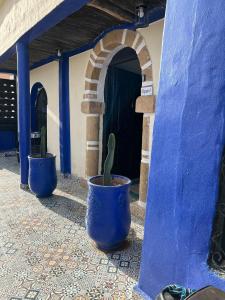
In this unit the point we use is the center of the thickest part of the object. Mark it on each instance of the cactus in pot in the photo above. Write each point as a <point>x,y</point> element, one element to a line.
<point>108,214</point>
<point>43,145</point>
<point>107,178</point>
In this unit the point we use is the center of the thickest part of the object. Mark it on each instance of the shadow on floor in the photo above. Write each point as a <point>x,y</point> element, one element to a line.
<point>132,245</point>
<point>71,186</point>
<point>75,212</point>
<point>66,208</point>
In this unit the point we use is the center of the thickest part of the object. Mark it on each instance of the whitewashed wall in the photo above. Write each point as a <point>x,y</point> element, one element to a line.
<point>49,78</point>
<point>78,65</point>
<point>153,39</point>
<point>27,13</point>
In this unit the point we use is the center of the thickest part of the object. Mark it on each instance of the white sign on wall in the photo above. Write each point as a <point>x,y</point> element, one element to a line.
<point>146,90</point>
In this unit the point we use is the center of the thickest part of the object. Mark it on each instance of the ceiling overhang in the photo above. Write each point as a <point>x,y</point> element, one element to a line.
<point>82,28</point>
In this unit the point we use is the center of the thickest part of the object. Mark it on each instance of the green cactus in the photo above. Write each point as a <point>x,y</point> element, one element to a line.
<point>43,145</point>
<point>107,178</point>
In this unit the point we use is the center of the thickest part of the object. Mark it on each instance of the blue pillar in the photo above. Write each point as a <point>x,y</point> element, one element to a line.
<point>23,74</point>
<point>188,140</point>
<point>64,115</point>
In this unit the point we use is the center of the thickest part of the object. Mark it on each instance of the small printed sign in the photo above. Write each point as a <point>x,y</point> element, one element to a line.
<point>146,90</point>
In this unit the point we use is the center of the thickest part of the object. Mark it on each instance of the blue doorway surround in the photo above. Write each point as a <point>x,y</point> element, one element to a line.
<point>188,140</point>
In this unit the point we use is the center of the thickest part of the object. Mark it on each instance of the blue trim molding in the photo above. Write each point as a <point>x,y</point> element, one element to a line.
<point>8,71</point>
<point>64,115</point>
<point>189,137</point>
<point>155,14</point>
<point>24,108</point>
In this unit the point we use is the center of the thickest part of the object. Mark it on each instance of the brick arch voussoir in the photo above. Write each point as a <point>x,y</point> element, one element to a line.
<point>98,56</point>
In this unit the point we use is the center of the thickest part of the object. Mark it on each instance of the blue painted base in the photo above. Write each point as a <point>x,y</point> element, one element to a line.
<point>141,293</point>
<point>7,140</point>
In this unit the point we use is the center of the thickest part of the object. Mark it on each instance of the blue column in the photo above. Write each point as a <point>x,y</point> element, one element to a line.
<point>23,74</point>
<point>64,115</point>
<point>189,137</point>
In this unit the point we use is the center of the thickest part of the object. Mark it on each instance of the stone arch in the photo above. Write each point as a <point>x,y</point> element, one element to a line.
<point>93,102</point>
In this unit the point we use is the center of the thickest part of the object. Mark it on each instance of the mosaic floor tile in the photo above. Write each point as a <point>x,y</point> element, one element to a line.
<point>45,253</point>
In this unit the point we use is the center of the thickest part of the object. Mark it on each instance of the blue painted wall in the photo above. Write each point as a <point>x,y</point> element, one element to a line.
<point>7,140</point>
<point>187,145</point>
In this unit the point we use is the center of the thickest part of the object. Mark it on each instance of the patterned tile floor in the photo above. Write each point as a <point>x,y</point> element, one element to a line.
<point>45,253</point>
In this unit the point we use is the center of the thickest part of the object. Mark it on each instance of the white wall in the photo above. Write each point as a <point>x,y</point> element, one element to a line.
<point>153,39</point>
<point>48,76</point>
<point>153,35</point>
<point>18,16</point>
<point>78,65</point>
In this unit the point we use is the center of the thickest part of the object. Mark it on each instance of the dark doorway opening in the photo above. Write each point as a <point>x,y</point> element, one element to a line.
<point>122,87</point>
<point>217,251</point>
<point>41,109</point>
<point>39,102</point>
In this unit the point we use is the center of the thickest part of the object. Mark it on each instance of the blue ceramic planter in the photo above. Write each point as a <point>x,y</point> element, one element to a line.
<point>42,175</point>
<point>108,215</point>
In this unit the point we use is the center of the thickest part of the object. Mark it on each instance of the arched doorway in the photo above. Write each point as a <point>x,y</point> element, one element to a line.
<point>39,102</point>
<point>122,88</point>
<point>93,104</point>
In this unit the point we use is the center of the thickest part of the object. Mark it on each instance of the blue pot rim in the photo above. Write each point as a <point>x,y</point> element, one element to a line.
<point>110,186</point>
<point>51,156</point>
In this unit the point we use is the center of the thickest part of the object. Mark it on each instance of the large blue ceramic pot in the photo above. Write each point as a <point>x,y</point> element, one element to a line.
<point>42,175</point>
<point>108,214</point>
